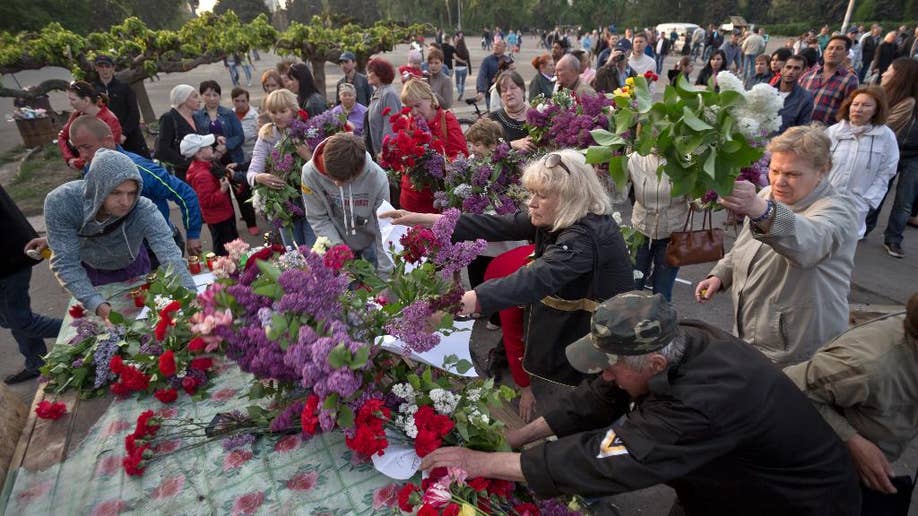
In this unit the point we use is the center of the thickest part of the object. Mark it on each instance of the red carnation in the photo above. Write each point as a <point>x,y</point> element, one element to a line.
<point>171,308</point>
<point>426,442</point>
<point>479,483</point>
<point>427,510</point>
<point>201,363</point>
<point>368,441</point>
<point>336,257</point>
<point>197,345</point>
<point>264,255</point>
<point>116,364</point>
<point>48,410</point>
<point>386,110</point>
<point>309,418</point>
<point>166,395</point>
<point>167,363</point>
<point>302,114</point>
<point>147,424</point>
<point>502,488</point>
<point>162,326</point>
<point>190,385</point>
<point>77,311</point>
<point>133,463</point>
<point>527,509</point>
<point>451,510</point>
<point>404,497</point>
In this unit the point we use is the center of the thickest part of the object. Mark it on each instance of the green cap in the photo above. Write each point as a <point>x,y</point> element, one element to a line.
<point>633,323</point>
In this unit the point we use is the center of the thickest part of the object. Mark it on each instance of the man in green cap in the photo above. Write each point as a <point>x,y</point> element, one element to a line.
<point>682,404</point>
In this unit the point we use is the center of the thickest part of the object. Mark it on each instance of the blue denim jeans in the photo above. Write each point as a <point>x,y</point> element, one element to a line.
<point>300,234</point>
<point>651,260</point>
<point>28,328</point>
<point>748,66</point>
<point>906,192</point>
<point>461,73</point>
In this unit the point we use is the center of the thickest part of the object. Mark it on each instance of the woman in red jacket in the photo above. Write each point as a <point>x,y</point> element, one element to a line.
<point>443,125</point>
<point>85,100</point>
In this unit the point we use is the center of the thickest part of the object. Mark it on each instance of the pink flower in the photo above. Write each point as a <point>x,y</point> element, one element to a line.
<point>223,395</point>
<point>236,249</point>
<point>116,427</point>
<point>248,503</point>
<point>37,491</point>
<point>287,443</point>
<point>166,412</point>
<point>437,495</point>
<point>108,466</point>
<point>223,267</point>
<point>386,496</point>
<point>167,446</point>
<point>169,487</point>
<point>235,459</point>
<point>108,508</point>
<point>303,481</point>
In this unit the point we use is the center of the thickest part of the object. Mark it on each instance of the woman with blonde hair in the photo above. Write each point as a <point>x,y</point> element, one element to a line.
<point>580,259</point>
<point>544,81</point>
<point>282,106</point>
<point>417,95</point>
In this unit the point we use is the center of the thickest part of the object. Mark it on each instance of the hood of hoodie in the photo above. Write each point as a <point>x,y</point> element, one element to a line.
<point>107,171</point>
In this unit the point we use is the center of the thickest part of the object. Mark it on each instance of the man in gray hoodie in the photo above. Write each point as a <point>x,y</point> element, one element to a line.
<point>97,227</point>
<point>342,188</point>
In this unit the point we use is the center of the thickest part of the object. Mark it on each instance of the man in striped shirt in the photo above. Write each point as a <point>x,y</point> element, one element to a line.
<point>830,83</point>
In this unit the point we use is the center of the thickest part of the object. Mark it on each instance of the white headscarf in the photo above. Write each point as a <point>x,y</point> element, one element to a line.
<point>180,94</point>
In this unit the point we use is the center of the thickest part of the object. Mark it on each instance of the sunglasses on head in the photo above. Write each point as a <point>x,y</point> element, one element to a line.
<point>554,159</point>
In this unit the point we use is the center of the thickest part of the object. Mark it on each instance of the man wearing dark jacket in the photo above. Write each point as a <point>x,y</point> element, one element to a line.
<point>713,419</point>
<point>798,101</point>
<point>123,103</point>
<point>28,328</point>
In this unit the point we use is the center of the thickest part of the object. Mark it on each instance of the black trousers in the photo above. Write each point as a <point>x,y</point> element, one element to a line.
<point>222,233</point>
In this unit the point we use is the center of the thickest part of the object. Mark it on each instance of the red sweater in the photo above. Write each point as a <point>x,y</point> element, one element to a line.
<point>511,319</point>
<point>422,201</point>
<point>104,115</point>
<point>216,206</point>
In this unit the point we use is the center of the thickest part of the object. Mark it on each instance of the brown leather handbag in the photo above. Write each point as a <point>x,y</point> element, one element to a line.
<point>690,246</point>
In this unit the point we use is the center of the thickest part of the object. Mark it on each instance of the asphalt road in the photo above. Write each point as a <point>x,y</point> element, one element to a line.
<point>878,278</point>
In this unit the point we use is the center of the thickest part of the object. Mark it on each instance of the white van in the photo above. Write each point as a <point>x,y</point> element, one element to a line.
<point>684,30</point>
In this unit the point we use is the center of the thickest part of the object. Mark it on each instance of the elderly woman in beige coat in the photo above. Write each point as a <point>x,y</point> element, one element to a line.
<point>789,271</point>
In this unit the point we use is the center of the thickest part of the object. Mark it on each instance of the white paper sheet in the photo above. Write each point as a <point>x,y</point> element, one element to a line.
<point>391,233</point>
<point>399,461</point>
<point>457,343</point>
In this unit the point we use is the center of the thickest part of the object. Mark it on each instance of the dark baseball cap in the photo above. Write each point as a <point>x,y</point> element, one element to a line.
<point>106,59</point>
<point>633,323</point>
<point>347,56</point>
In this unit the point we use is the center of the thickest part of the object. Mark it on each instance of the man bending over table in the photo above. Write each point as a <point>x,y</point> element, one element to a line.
<point>97,227</point>
<point>712,418</point>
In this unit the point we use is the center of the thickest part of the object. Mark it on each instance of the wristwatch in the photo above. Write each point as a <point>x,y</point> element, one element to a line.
<point>769,209</point>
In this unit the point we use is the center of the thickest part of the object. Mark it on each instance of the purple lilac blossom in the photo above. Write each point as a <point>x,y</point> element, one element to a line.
<point>238,441</point>
<point>475,204</point>
<point>326,420</point>
<point>411,327</point>
<point>85,328</point>
<point>102,356</point>
<point>288,418</point>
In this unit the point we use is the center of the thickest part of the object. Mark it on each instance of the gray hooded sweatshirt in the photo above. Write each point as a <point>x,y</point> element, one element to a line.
<point>346,214</point>
<point>76,237</point>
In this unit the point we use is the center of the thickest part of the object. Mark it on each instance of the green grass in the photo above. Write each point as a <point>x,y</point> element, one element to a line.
<point>40,174</point>
<point>12,155</point>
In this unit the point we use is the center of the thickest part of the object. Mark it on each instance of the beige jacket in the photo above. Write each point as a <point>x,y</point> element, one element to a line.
<point>656,213</point>
<point>864,382</point>
<point>790,286</point>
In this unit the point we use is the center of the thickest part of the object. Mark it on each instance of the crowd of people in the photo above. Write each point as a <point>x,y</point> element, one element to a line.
<point>781,417</point>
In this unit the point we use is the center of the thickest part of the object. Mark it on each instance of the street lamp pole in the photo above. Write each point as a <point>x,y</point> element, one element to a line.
<point>850,10</point>
<point>459,21</point>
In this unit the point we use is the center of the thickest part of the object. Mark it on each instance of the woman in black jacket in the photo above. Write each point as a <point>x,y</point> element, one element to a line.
<point>580,260</point>
<point>174,125</point>
<point>715,65</point>
<point>299,80</point>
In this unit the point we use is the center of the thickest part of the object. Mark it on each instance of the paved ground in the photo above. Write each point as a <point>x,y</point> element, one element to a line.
<point>878,278</point>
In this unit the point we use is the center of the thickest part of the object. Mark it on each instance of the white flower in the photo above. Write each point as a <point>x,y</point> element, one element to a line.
<point>473,395</point>
<point>161,301</point>
<point>291,259</point>
<point>404,391</point>
<point>541,107</point>
<point>444,401</point>
<point>637,274</point>
<point>464,190</point>
<point>258,202</point>
<point>323,243</point>
<point>729,82</point>
<point>480,417</point>
<point>617,217</point>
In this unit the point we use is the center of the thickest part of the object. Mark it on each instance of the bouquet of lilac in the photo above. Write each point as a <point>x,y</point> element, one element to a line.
<point>316,129</point>
<point>565,120</point>
<point>489,185</point>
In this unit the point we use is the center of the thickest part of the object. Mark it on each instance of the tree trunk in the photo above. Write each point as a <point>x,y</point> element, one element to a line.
<point>143,99</point>
<point>318,73</point>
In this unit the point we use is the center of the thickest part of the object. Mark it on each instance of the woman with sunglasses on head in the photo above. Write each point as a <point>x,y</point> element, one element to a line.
<point>580,259</point>
<point>84,100</point>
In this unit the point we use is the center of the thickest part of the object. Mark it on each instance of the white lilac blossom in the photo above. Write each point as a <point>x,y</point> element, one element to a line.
<point>617,217</point>
<point>259,202</point>
<point>444,401</point>
<point>292,259</point>
<point>323,243</point>
<point>404,391</point>
<point>464,190</point>
<point>757,116</point>
<point>726,81</point>
<point>473,395</point>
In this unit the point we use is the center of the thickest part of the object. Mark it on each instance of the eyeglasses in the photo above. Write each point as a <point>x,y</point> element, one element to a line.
<point>554,159</point>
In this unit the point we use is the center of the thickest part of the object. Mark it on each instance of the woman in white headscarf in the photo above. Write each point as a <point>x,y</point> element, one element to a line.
<point>174,125</point>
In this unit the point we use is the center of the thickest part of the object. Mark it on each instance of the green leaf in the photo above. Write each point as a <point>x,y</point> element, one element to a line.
<point>331,402</point>
<point>462,366</point>
<point>606,139</point>
<point>596,155</point>
<point>624,120</point>
<point>730,99</point>
<point>115,318</point>
<point>670,96</point>
<point>339,356</point>
<point>268,269</point>
<point>618,170</point>
<point>710,162</point>
<point>360,358</point>
<point>345,417</point>
<point>693,121</point>
<point>271,290</point>
<point>642,95</point>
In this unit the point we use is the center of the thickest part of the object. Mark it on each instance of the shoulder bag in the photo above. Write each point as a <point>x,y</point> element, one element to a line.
<point>690,246</point>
